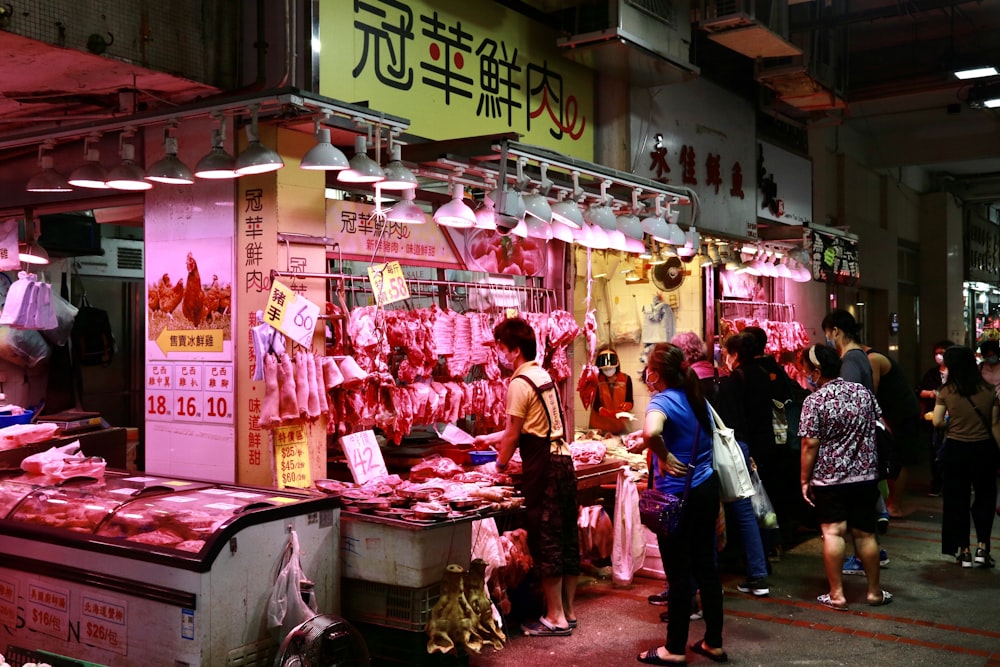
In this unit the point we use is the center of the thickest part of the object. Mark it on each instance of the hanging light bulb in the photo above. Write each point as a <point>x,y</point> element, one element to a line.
<point>656,225</point>
<point>324,156</point>
<point>217,164</point>
<point>405,211</point>
<point>169,169</point>
<point>363,169</point>
<point>675,236</point>
<point>692,241</point>
<point>397,175</point>
<point>629,223</point>
<point>486,214</point>
<point>90,174</point>
<point>537,212</point>
<point>256,158</point>
<point>566,212</point>
<point>127,175</point>
<point>48,179</point>
<point>600,214</point>
<point>456,213</point>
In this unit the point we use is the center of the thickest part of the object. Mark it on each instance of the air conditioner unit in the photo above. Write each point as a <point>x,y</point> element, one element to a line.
<point>122,258</point>
<point>645,42</point>
<point>755,28</point>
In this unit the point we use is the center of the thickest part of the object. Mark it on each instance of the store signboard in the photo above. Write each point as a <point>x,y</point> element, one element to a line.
<point>784,185</point>
<point>364,235</point>
<point>700,136</point>
<point>982,249</point>
<point>833,258</point>
<point>458,69</point>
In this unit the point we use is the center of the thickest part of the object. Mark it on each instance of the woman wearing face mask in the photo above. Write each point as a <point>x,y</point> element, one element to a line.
<point>930,385</point>
<point>990,367</point>
<point>614,394</point>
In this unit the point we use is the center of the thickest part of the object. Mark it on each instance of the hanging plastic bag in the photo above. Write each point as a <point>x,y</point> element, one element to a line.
<point>286,607</point>
<point>762,507</point>
<point>626,327</point>
<point>628,550</point>
<point>65,314</point>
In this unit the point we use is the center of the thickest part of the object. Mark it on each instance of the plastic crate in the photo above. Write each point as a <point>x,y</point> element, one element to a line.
<point>413,556</point>
<point>391,606</point>
<point>17,657</point>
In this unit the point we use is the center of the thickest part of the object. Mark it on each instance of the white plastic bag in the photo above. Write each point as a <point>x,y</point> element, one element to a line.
<point>762,507</point>
<point>62,463</point>
<point>629,549</point>
<point>286,608</point>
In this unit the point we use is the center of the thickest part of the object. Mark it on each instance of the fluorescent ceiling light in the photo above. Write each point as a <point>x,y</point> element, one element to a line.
<point>976,73</point>
<point>992,103</point>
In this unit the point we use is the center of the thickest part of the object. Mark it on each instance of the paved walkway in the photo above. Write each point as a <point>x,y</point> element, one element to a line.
<point>941,615</point>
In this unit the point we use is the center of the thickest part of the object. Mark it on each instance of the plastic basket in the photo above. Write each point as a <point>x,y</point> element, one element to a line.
<point>391,606</point>
<point>18,657</point>
<point>7,419</point>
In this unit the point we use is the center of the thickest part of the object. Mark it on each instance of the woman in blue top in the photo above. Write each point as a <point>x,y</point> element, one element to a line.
<point>678,431</point>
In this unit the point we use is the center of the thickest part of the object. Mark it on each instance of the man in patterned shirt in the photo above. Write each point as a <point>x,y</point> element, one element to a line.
<point>839,473</point>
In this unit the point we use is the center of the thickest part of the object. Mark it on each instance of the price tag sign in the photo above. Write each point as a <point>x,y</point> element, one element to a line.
<point>388,283</point>
<point>291,456</point>
<point>291,314</point>
<point>364,457</point>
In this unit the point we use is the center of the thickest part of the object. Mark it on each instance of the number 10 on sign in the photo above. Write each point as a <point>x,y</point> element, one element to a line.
<point>388,283</point>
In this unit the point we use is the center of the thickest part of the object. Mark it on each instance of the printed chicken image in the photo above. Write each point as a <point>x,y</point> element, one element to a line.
<point>188,303</point>
<point>193,305</point>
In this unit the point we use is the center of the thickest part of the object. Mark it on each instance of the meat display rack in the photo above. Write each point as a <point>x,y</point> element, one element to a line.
<point>536,299</point>
<point>762,310</point>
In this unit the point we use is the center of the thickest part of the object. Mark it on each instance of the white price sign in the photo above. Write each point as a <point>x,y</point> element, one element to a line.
<point>291,314</point>
<point>188,406</point>
<point>364,457</point>
<point>159,405</point>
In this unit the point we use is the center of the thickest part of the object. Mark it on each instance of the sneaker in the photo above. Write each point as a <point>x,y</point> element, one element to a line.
<point>983,558</point>
<point>697,615</point>
<point>965,559</point>
<point>757,586</point>
<point>659,599</point>
<point>883,523</point>
<point>883,558</point>
<point>852,565</point>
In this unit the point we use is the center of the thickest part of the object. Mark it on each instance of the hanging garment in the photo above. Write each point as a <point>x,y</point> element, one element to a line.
<point>657,323</point>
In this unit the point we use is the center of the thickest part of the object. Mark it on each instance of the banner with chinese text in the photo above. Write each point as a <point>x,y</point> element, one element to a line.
<point>457,69</point>
<point>699,135</point>
<point>833,258</point>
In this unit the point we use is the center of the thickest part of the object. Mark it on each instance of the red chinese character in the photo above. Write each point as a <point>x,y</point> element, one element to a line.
<point>713,172</point>
<point>688,158</point>
<point>659,164</point>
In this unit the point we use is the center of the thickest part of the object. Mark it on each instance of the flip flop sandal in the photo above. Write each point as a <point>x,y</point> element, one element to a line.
<point>701,649</point>
<point>541,628</point>
<point>886,599</point>
<point>824,600</point>
<point>650,657</point>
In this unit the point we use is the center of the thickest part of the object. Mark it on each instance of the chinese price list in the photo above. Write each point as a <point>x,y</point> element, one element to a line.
<point>190,392</point>
<point>292,457</point>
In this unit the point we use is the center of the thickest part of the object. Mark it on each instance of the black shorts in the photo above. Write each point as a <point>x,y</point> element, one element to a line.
<point>853,503</point>
<point>551,521</point>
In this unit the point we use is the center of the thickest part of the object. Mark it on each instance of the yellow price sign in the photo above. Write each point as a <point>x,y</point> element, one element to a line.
<point>195,340</point>
<point>291,457</point>
<point>290,313</point>
<point>388,283</point>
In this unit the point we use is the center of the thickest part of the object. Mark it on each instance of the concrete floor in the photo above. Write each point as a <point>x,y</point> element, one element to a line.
<point>941,615</point>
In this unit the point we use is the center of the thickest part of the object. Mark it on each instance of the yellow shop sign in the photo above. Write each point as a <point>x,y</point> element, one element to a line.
<point>457,69</point>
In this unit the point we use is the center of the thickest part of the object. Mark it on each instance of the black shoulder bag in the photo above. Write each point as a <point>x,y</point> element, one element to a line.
<point>662,512</point>
<point>982,417</point>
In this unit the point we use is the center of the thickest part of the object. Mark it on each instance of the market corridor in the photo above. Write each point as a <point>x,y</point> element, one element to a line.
<point>941,615</point>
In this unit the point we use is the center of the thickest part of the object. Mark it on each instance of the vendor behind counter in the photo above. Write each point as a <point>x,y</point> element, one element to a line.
<point>614,395</point>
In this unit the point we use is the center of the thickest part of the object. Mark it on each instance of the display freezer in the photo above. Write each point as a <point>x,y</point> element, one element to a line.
<point>139,570</point>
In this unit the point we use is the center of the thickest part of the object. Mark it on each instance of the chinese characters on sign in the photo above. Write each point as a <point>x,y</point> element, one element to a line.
<point>291,453</point>
<point>687,161</point>
<point>189,392</point>
<point>104,623</point>
<point>291,314</point>
<point>364,457</point>
<point>362,234</point>
<point>252,227</point>
<point>834,258</point>
<point>497,73</point>
<point>982,245</point>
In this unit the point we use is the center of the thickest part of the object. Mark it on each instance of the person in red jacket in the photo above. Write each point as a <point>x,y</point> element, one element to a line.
<point>614,394</point>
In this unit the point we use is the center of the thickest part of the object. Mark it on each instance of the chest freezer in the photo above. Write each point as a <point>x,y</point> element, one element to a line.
<point>138,570</point>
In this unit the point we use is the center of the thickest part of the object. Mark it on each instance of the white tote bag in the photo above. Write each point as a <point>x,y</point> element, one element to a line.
<point>728,461</point>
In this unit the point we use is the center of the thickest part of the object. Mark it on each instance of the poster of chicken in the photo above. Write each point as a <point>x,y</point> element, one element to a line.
<point>189,296</point>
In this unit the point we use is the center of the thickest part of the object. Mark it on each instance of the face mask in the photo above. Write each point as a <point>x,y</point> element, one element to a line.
<point>504,359</point>
<point>831,343</point>
<point>992,360</point>
<point>811,382</point>
<point>938,359</point>
<point>609,371</point>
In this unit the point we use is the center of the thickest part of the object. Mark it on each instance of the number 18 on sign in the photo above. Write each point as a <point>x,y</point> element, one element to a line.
<point>291,314</point>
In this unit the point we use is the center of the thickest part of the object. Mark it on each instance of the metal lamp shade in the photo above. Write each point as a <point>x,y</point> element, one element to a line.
<point>561,231</point>
<point>568,213</point>
<point>537,206</point>
<point>324,156</point>
<point>48,180</point>
<point>90,174</point>
<point>362,168</point>
<point>128,175</point>
<point>217,164</point>
<point>169,169</point>
<point>257,158</point>
<point>656,227</point>
<point>456,213</point>
<point>406,212</point>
